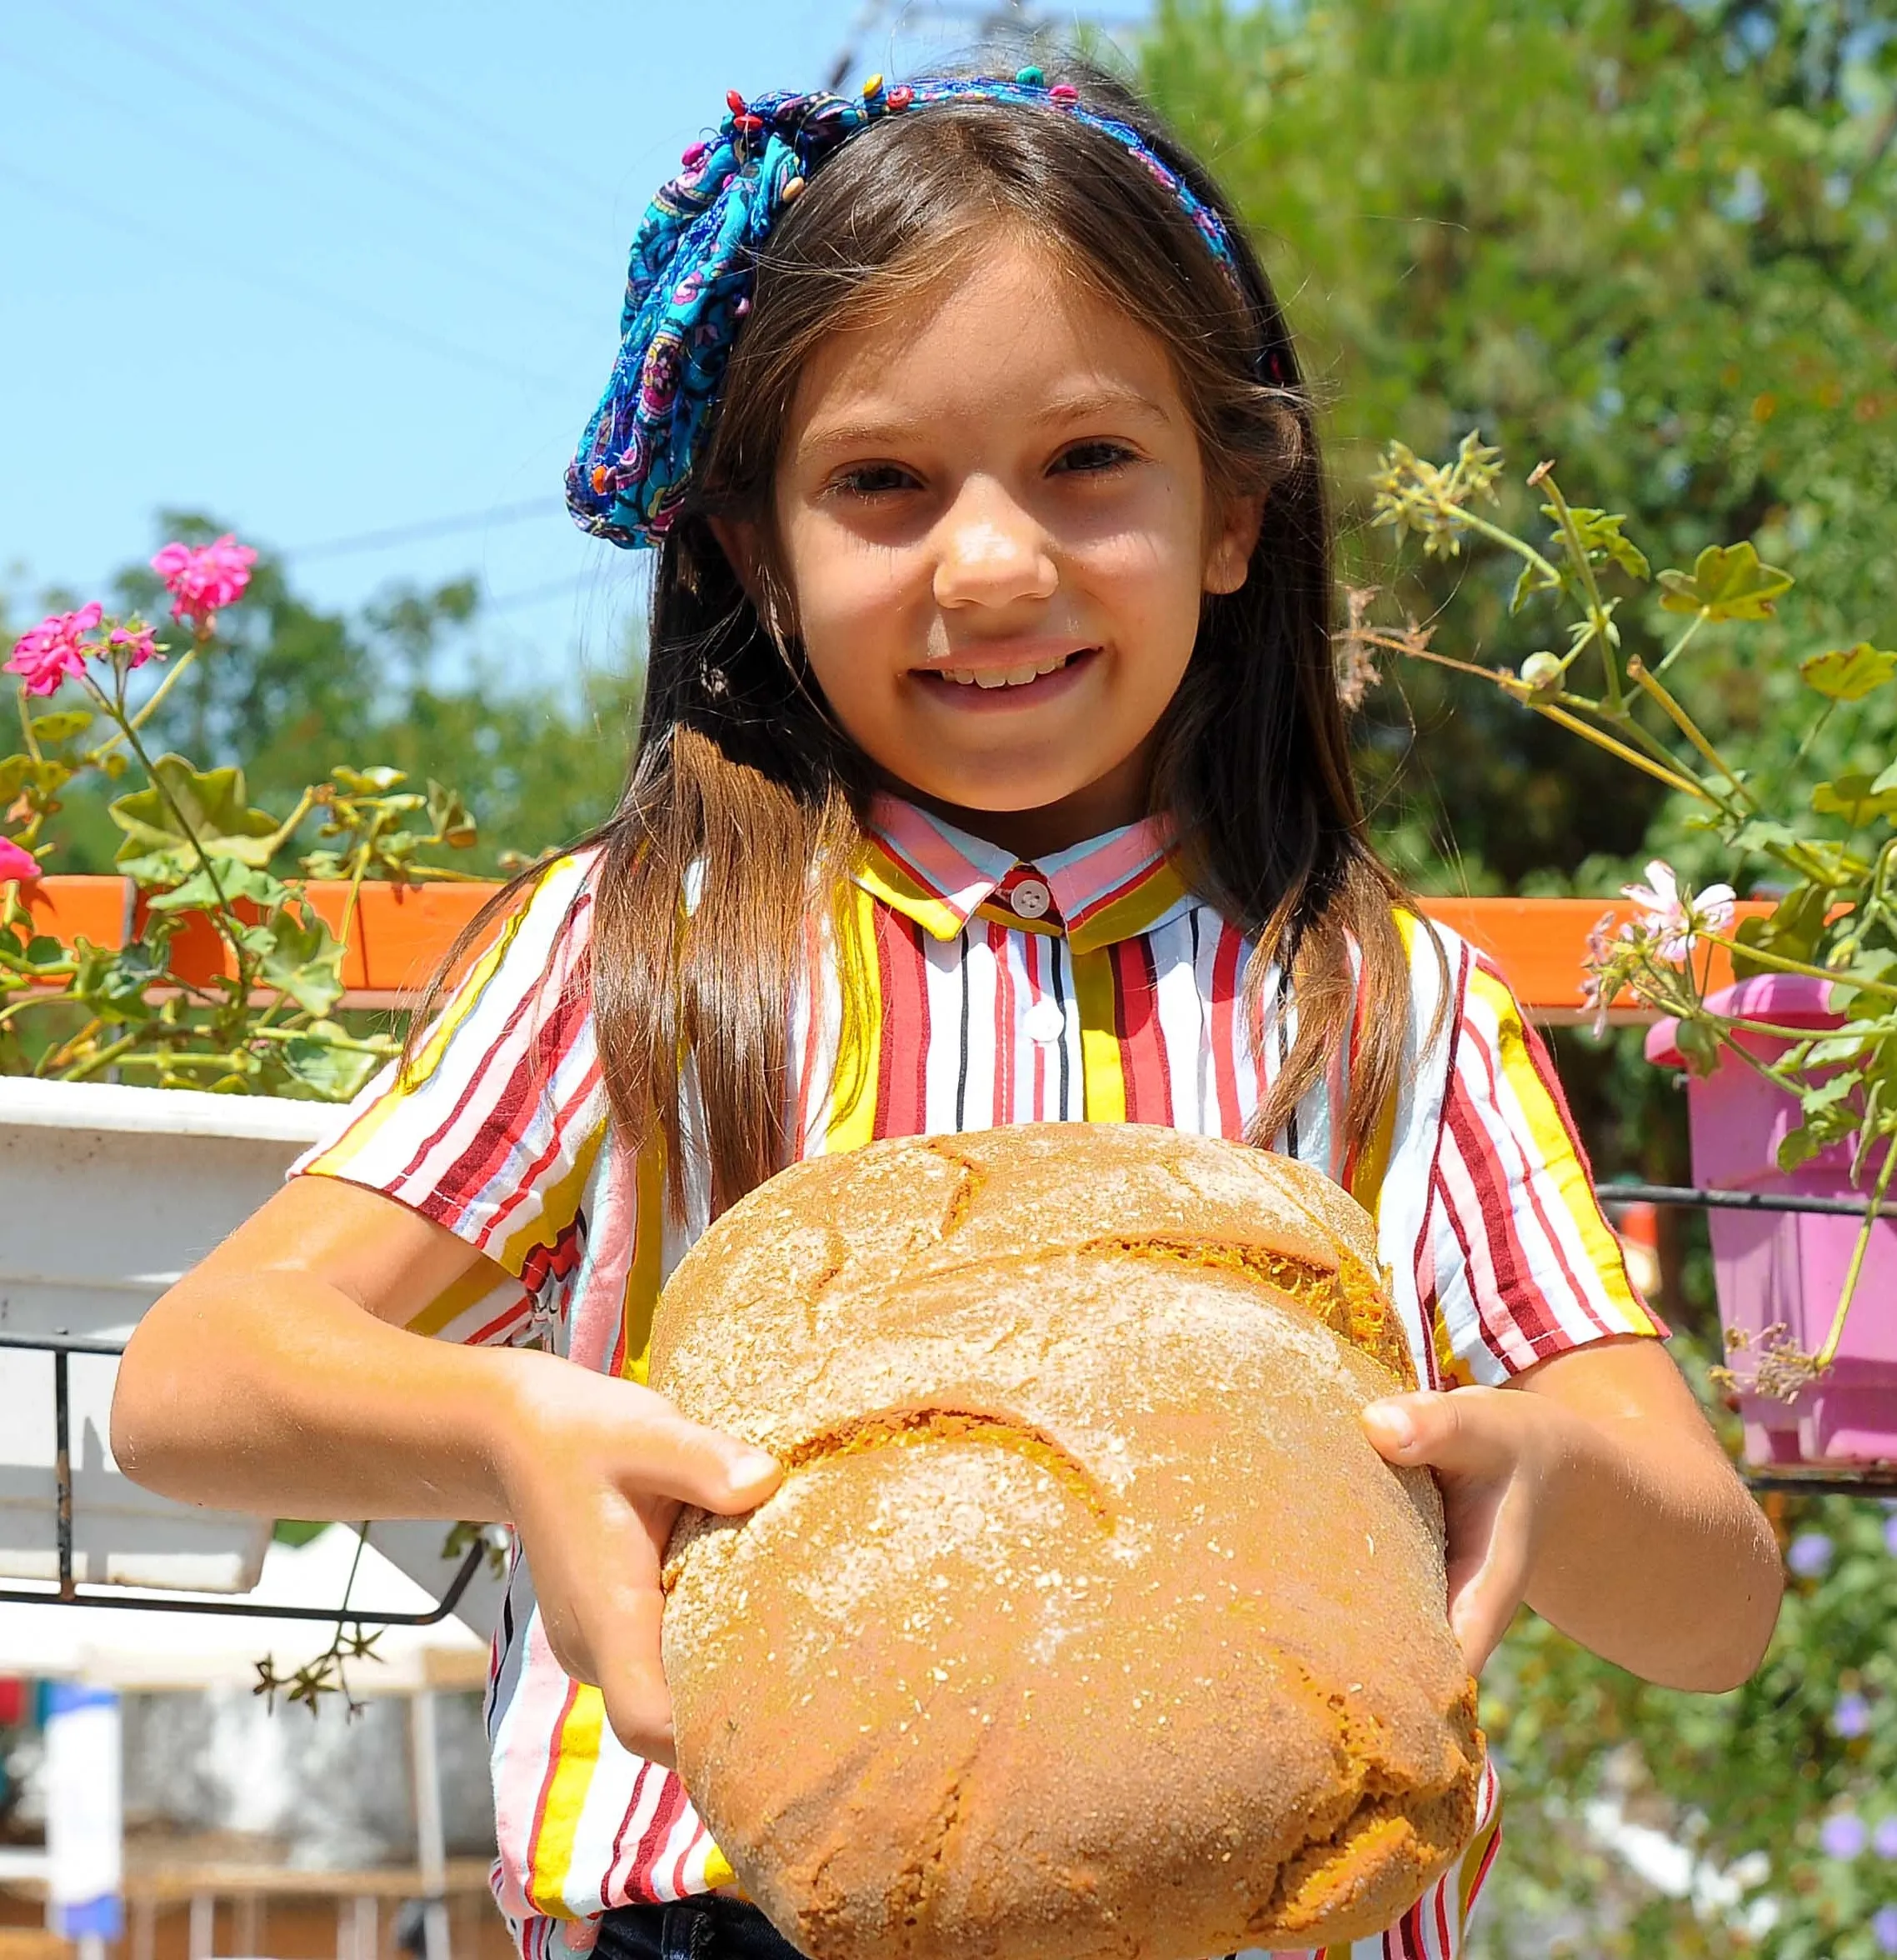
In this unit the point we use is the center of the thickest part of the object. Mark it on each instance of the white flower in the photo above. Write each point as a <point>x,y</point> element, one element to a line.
<point>1671,918</point>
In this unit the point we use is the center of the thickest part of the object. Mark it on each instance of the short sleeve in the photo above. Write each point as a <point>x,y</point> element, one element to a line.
<point>1523,1264</point>
<point>494,1131</point>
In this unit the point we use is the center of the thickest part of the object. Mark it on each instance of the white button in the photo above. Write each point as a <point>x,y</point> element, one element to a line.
<point>1031,899</point>
<point>1044,1021</point>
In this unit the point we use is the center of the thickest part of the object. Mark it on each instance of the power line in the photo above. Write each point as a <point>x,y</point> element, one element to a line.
<point>411,89</point>
<point>396,123</point>
<point>533,596</point>
<point>277,116</point>
<point>374,541</point>
<point>280,285</point>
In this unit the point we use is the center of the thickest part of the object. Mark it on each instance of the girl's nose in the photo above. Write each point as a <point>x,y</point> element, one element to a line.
<point>992,553</point>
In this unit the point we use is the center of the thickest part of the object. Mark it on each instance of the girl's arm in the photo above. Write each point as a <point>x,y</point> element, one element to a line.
<point>1600,1495</point>
<point>278,1376</point>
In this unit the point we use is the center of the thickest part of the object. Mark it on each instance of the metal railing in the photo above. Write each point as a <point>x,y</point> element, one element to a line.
<point>66,1591</point>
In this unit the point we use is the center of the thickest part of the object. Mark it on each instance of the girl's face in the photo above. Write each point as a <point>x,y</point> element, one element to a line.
<point>994,524</point>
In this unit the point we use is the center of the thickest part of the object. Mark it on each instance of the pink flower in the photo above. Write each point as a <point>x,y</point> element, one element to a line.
<point>55,650</point>
<point>202,578</point>
<point>15,862</point>
<point>1671,917</point>
<point>1607,967</point>
<point>135,644</point>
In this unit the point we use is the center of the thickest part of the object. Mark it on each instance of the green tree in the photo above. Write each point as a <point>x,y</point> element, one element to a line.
<point>292,689</point>
<point>1652,239</point>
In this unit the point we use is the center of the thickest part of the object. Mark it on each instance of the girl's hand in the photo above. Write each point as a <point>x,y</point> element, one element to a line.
<point>595,1472</point>
<point>1592,1487</point>
<point>1493,1452</point>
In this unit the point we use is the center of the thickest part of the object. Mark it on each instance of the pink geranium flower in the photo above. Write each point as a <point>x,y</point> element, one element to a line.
<point>135,644</point>
<point>15,862</point>
<point>203,578</point>
<point>1671,917</point>
<point>55,650</point>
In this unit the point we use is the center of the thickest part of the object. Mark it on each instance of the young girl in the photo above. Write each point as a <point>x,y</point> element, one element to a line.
<point>992,770</point>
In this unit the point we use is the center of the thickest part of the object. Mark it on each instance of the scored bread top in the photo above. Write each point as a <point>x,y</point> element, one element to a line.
<point>1136,1190</point>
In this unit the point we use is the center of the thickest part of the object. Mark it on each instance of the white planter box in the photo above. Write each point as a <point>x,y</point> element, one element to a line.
<point>108,1194</point>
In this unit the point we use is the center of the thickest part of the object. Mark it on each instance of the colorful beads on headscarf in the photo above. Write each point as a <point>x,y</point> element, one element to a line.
<point>688,282</point>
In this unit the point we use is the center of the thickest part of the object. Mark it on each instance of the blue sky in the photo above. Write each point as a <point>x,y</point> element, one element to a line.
<point>332,273</point>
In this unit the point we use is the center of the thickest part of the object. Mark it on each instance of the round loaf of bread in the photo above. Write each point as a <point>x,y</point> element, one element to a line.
<point>1085,1621</point>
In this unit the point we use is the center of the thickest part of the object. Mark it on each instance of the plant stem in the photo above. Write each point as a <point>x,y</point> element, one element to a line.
<point>1598,617</point>
<point>222,918</point>
<point>1812,733</point>
<point>149,709</point>
<point>1519,546</point>
<point>1780,964</point>
<point>328,1041</point>
<point>1682,643</point>
<point>1686,785</point>
<point>102,1058</point>
<point>1829,1352</point>
<point>1684,723</point>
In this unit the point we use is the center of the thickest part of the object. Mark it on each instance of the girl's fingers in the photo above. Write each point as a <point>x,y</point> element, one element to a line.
<point>632,1682</point>
<point>1488,1575</point>
<point>1461,1431</point>
<point>675,1457</point>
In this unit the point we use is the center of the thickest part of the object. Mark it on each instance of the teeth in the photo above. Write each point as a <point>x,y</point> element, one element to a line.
<point>1013,676</point>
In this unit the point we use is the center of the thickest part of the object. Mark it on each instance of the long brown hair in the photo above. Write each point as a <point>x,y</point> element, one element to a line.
<point>743,790</point>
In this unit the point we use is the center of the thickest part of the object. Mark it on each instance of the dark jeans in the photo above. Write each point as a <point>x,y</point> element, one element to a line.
<point>707,1927</point>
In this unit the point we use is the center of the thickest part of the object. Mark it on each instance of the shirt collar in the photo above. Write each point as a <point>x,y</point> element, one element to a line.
<point>1111,887</point>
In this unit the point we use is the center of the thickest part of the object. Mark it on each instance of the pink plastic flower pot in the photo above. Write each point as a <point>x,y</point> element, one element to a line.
<point>1780,1268</point>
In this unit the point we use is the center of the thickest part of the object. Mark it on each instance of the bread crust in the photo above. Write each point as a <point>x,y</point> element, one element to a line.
<point>1085,1621</point>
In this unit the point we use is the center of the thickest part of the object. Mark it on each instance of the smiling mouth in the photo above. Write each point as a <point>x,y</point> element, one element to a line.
<point>1024,676</point>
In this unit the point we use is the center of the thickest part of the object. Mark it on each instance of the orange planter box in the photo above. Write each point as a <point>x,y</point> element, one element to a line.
<point>402,932</point>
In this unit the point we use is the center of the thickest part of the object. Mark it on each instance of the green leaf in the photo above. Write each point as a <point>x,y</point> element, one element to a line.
<point>1791,929</point>
<point>327,1074</point>
<point>212,803</point>
<point>1764,833</point>
<point>158,867</point>
<point>198,893</point>
<point>305,962</point>
<point>1727,582</point>
<point>44,954</point>
<point>14,770</point>
<point>1855,798</point>
<point>1698,1047</point>
<point>62,724</point>
<point>1849,675</point>
<point>1827,1094</point>
<point>366,782</point>
<point>1798,1147</point>
<point>1533,580</point>
<point>1601,537</point>
<point>453,821</point>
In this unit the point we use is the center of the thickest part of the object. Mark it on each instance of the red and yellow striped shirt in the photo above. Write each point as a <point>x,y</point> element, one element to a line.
<point>1089,985</point>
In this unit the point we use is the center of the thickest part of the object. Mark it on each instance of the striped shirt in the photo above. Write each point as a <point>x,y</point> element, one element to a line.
<point>1090,984</point>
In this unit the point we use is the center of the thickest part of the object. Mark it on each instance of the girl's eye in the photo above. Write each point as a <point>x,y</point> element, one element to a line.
<point>1093,459</point>
<point>872,479</point>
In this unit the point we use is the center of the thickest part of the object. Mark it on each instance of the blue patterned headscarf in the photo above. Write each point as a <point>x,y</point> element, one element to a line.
<point>688,286</point>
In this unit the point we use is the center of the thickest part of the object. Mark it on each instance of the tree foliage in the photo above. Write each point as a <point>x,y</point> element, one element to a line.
<point>293,689</point>
<point>1651,239</point>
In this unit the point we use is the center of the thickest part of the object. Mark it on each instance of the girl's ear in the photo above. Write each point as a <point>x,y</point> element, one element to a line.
<point>1229,557</point>
<point>738,540</point>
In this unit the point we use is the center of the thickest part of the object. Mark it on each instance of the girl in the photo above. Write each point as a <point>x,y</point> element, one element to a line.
<point>992,770</point>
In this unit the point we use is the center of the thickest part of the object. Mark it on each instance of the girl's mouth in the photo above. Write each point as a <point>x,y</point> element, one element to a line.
<point>991,684</point>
